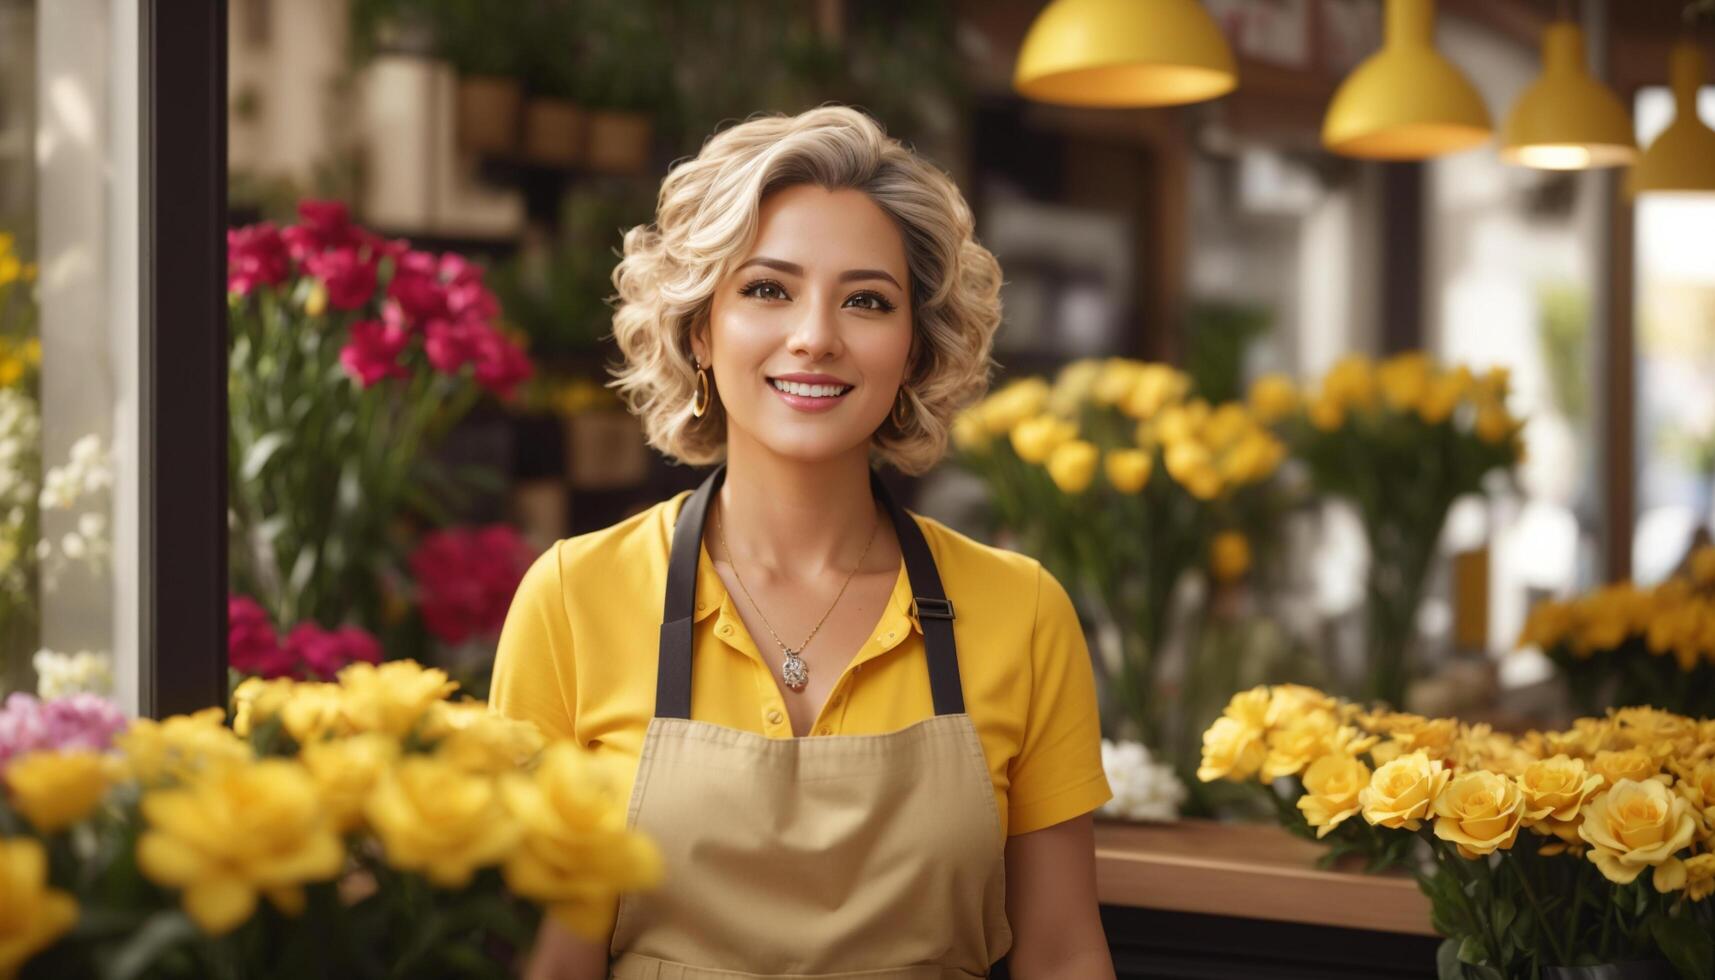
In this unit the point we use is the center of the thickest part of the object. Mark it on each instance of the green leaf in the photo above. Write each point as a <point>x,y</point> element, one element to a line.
<point>1687,946</point>
<point>257,456</point>
<point>1447,965</point>
<point>1473,951</point>
<point>158,935</point>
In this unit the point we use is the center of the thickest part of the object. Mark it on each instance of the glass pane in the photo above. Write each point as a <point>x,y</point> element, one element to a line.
<point>62,192</point>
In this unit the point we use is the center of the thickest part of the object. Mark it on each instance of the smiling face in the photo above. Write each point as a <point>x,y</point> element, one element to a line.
<point>810,334</point>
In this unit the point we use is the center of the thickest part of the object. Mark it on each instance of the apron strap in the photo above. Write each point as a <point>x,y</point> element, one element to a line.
<point>929,601</point>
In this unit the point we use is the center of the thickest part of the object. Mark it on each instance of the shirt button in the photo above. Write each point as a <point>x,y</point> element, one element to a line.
<point>836,702</point>
<point>890,636</point>
<point>774,717</point>
<point>726,630</point>
<point>824,730</point>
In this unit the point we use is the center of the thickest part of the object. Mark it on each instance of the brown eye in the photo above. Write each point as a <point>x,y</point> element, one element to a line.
<point>880,302</point>
<point>760,287</point>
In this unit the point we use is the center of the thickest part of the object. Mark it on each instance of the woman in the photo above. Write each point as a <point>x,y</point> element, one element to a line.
<point>865,743</point>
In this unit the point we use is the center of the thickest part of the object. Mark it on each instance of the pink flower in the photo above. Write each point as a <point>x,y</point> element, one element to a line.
<point>252,647</point>
<point>466,578</point>
<point>451,344</point>
<point>347,274</point>
<point>255,256</point>
<point>323,225</point>
<point>323,652</point>
<point>373,351</point>
<point>501,365</point>
<point>417,288</point>
<point>81,721</point>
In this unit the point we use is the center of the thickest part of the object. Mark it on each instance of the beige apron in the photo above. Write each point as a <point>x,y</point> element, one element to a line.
<point>873,856</point>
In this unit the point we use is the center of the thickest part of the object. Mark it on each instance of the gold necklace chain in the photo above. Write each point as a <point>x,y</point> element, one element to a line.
<point>794,669</point>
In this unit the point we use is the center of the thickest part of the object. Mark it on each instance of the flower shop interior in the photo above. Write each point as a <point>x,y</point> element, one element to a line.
<point>1356,377</point>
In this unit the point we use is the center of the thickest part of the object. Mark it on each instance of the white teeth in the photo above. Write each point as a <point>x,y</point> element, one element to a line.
<point>810,391</point>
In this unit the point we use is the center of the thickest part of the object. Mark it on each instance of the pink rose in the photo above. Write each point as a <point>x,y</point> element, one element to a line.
<point>373,351</point>
<point>255,256</point>
<point>348,276</point>
<point>252,647</point>
<point>466,578</point>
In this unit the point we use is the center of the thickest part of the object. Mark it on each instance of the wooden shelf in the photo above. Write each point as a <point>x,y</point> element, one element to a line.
<point>1248,871</point>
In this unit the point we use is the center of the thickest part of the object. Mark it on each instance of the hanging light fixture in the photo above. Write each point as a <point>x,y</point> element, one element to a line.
<point>1682,158</point>
<point>1406,101</point>
<point>1119,53</point>
<point>1567,120</point>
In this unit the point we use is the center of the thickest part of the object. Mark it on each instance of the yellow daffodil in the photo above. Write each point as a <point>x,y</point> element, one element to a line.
<point>1036,438</point>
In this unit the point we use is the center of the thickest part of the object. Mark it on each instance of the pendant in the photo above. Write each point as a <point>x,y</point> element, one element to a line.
<point>794,671</point>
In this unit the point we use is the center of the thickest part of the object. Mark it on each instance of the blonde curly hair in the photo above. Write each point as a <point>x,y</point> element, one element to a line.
<point>706,218</point>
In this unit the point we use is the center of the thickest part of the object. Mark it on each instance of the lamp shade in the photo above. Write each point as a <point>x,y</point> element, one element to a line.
<point>1117,53</point>
<point>1566,119</point>
<point>1682,158</point>
<point>1406,101</point>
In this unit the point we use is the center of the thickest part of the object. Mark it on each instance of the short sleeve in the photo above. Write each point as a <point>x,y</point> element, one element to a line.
<point>1057,774</point>
<point>534,677</point>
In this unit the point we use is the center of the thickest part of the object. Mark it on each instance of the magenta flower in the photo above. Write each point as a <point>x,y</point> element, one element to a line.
<point>501,365</point>
<point>416,286</point>
<point>323,225</point>
<point>373,351</point>
<point>252,647</point>
<point>322,653</point>
<point>466,578</point>
<point>255,256</point>
<point>347,274</point>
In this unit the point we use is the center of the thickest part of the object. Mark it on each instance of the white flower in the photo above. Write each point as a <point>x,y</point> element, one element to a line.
<point>61,674</point>
<point>86,451</point>
<point>92,525</point>
<point>1143,788</point>
<point>72,545</point>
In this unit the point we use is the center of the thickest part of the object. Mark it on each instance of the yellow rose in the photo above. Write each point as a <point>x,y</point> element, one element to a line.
<point>1072,465</point>
<point>257,701</point>
<point>393,696</point>
<point>314,711</point>
<point>1156,386</point>
<point>1035,439</point>
<point>1014,403</point>
<point>438,819</point>
<point>1332,786</point>
<point>32,914</point>
<point>345,770</point>
<point>1697,784</point>
<point>1229,556</point>
<point>1234,747</point>
<point>233,833</point>
<point>1401,792</point>
<point>1273,397</point>
<point>1637,825</point>
<point>1555,791</point>
<point>1634,764</point>
<point>181,746</point>
<point>1699,877</point>
<point>1404,380</point>
<point>54,790</point>
<point>491,743</point>
<point>1128,469</point>
<point>1479,812</point>
<point>576,853</point>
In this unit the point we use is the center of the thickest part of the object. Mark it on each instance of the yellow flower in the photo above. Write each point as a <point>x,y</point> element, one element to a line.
<point>1401,792</point>
<point>317,710</point>
<point>1351,382</point>
<point>1637,825</point>
<point>256,701</point>
<point>1703,567</point>
<point>1016,401</point>
<point>1191,466</point>
<point>1253,458</point>
<point>1115,381</point>
<point>1493,425</point>
<point>1182,423</point>
<point>1326,414</point>
<point>1035,439</point>
<point>32,914</point>
<point>1634,764</point>
<point>1697,784</point>
<point>391,697</point>
<point>1287,701</point>
<point>1479,812</point>
<point>1404,380</point>
<point>438,819</point>
<point>1273,397</point>
<point>11,369</point>
<point>231,834</point>
<point>1155,387</point>
<point>316,303</point>
<point>1699,877</point>
<point>970,432</point>
<point>1128,469</point>
<point>1234,747</point>
<point>1555,791</point>
<point>54,790</point>
<point>1443,395</point>
<point>1332,786</point>
<point>1072,465</point>
<point>345,770</point>
<point>1072,386</point>
<point>475,738</point>
<point>1229,556</point>
<point>576,852</point>
<point>180,746</point>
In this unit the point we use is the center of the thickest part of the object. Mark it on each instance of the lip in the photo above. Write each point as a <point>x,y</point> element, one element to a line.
<point>806,403</point>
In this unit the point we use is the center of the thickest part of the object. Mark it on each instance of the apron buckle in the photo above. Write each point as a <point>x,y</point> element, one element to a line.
<point>933,608</point>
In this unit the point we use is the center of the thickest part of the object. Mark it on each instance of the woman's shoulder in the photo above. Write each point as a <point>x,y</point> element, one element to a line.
<point>1005,583</point>
<point>627,554</point>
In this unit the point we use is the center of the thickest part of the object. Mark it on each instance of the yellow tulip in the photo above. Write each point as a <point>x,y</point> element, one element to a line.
<point>1273,397</point>
<point>1157,386</point>
<point>1073,385</point>
<point>1128,469</point>
<point>1035,439</point>
<point>1115,381</point>
<point>970,432</point>
<point>232,834</point>
<point>1072,465</point>
<point>440,820</point>
<point>33,915</point>
<point>1013,403</point>
<point>1404,380</point>
<point>316,303</point>
<point>1229,556</point>
<point>1326,414</point>
<point>1351,382</point>
<point>1493,425</point>
<point>54,790</point>
<point>1182,423</point>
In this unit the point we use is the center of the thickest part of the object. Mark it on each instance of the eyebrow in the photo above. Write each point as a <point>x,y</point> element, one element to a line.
<point>794,269</point>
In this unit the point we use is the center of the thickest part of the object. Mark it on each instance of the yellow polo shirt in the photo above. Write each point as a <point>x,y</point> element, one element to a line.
<point>578,656</point>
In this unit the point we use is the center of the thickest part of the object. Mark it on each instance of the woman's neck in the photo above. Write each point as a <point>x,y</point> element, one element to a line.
<point>799,520</point>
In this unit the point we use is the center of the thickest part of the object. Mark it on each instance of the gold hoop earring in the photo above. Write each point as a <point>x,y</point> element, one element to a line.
<point>700,400</point>
<point>894,414</point>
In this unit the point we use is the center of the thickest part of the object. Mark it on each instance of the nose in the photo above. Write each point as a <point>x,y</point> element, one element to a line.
<point>815,333</point>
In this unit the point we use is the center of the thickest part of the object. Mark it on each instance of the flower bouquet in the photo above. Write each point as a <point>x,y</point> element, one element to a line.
<point>351,354</point>
<point>368,827</point>
<point>1400,440</point>
<point>1594,845</point>
<point>1622,644</point>
<point>1122,481</point>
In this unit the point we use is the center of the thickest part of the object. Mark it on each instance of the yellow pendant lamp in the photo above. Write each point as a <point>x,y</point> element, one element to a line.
<point>1567,120</point>
<point>1406,101</point>
<point>1120,53</point>
<point>1682,158</point>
